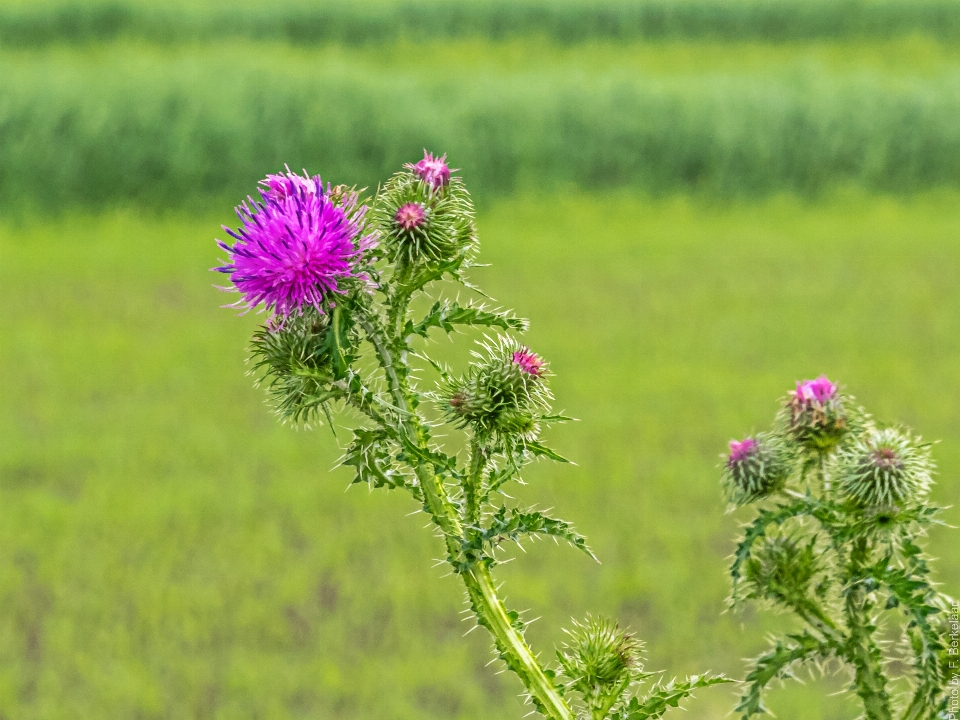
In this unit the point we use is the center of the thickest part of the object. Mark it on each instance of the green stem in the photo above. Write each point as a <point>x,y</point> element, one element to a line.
<point>601,710</point>
<point>513,648</point>
<point>490,610</point>
<point>471,484</point>
<point>862,651</point>
<point>816,618</point>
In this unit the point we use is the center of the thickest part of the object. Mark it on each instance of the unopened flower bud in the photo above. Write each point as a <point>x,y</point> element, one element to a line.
<point>781,569</point>
<point>432,170</point>
<point>599,655</point>
<point>756,467</point>
<point>884,468</point>
<point>816,415</point>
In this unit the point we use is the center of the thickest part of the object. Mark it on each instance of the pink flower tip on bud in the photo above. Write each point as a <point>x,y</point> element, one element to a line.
<point>433,170</point>
<point>820,390</point>
<point>528,362</point>
<point>741,449</point>
<point>410,216</point>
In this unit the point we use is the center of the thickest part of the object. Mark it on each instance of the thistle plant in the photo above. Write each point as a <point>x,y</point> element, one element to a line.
<point>841,504</point>
<point>339,277</point>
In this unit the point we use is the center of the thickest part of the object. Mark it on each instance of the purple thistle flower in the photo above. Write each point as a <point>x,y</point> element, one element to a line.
<point>432,170</point>
<point>295,246</point>
<point>410,216</point>
<point>529,362</point>
<point>739,450</point>
<point>281,187</point>
<point>820,390</point>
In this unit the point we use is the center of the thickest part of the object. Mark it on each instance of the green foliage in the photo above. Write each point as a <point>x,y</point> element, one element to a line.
<point>184,131</point>
<point>513,524</point>
<point>567,21</point>
<point>446,315</point>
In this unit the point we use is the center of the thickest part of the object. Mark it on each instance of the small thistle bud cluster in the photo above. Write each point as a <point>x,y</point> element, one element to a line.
<point>816,413</point>
<point>426,217</point>
<point>840,545</point>
<point>781,569</point>
<point>600,660</point>
<point>502,394</point>
<point>887,467</point>
<point>756,467</point>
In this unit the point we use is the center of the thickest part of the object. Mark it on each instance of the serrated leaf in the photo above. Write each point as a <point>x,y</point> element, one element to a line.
<point>669,695</point>
<point>446,315</point>
<point>543,451</point>
<point>776,663</point>
<point>370,454</point>
<point>512,524</point>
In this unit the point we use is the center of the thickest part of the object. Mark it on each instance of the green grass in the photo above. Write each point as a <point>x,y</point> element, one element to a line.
<point>569,21</point>
<point>167,550</point>
<point>178,128</point>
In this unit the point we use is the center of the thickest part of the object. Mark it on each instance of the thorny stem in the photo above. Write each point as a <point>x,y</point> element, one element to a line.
<point>484,598</point>
<point>471,486</point>
<point>814,616</point>
<point>863,653</point>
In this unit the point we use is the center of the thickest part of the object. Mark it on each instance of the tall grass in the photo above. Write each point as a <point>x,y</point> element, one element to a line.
<point>570,21</point>
<point>168,550</point>
<point>176,132</point>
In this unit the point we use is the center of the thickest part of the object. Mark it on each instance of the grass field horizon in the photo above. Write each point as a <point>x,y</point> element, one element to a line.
<point>172,551</point>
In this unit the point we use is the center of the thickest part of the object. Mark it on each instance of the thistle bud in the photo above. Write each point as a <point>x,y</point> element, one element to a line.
<point>755,468</point>
<point>599,656</point>
<point>432,170</point>
<point>502,392</point>
<point>781,569</point>
<point>816,415</point>
<point>884,468</point>
<point>426,217</point>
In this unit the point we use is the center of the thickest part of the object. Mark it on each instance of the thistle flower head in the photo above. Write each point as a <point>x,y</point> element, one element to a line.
<point>502,393</point>
<point>887,467</point>
<point>598,656</point>
<point>426,218</point>
<point>756,467</point>
<point>288,184</point>
<point>432,170</point>
<point>816,415</point>
<point>820,390</point>
<point>295,248</point>
<point>781,569</point>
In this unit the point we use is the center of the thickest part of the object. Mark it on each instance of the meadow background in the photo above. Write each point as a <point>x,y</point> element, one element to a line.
<point>696,202</point>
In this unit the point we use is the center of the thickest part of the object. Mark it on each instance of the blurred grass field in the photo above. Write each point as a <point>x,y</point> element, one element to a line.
<point>693,217</point>
<point>170,551</point>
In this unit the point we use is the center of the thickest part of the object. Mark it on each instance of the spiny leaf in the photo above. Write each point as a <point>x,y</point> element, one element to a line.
<point>543,451</point>
<point>446,315</point>
<point>665,696</point>
<point>776,663</point>
<point>370,454</point>
<point>512,524</point>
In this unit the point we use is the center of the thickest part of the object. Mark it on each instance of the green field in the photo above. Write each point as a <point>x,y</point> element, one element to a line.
<point>179,126</point>
<point>170,551</point>
<point>695,202</point>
